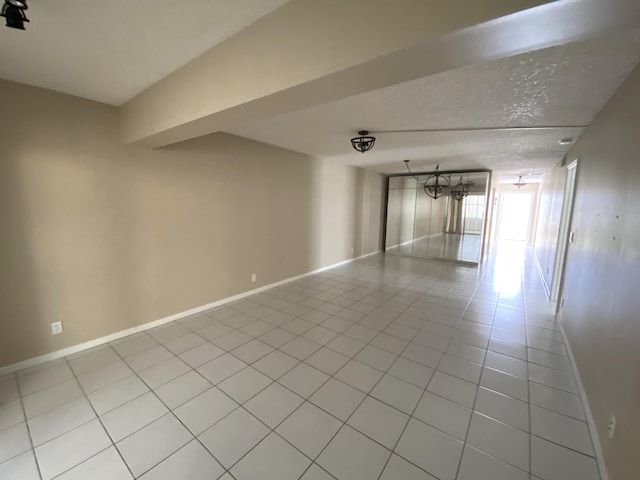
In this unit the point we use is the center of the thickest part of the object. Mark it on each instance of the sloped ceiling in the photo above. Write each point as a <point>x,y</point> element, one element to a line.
<point>110,50</point>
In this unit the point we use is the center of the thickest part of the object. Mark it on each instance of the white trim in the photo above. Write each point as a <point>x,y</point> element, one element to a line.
<point>544,282</point>
<point>32,362</point>
<point>597,447</point>
<point>564,233</point>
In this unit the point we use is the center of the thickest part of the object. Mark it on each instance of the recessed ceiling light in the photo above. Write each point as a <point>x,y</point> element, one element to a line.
<point>565,141</point>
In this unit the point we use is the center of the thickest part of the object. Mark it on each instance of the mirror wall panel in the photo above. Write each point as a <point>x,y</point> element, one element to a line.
<point>394,217</point>
<point>446,228</point>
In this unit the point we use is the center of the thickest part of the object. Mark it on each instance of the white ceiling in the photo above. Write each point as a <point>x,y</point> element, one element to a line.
<point>110,50</point>
<point>562,87</point>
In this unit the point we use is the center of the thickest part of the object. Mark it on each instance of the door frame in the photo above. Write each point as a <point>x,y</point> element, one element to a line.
<point>564,235</point>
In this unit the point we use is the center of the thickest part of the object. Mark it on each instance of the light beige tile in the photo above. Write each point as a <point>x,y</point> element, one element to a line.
<point>233,436</point>
<point>182,389</point>
<point>444,415</point>
<point>71,449</point>
<point>116,394</point>
<point>306,419</point>
<point>191,462</point>
<point>14,441</point>
<point>204,410</point>
<point>499,440</point>
<point>130,417</point>
<point>22,467</point>
<point>61,420</point>
<point>430,449</point>
<point>259,462</point>
<point>107,465</point>
<point>378,421</point>
<point>153,443</point>
<point>352,455</point>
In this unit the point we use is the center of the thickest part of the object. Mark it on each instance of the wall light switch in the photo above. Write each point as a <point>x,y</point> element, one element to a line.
<point>56,328</point>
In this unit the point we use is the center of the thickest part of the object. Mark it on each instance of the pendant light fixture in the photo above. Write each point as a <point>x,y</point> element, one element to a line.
<point>460,191</point>
<point>13,11</point>
<point>364,142</point>
<point>434,184</point>
<point>520,183</point>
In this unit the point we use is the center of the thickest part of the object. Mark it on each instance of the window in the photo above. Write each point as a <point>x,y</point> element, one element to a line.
<point>473,212</point>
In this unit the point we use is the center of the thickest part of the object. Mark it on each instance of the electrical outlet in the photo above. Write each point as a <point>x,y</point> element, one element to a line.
<point>352,250</point>
<point>611,428</point>
<point>56,328</point>
<point>254,277</point>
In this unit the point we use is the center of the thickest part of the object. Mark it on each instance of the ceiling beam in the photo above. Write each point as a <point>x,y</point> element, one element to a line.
<point>311,52</point>
<point>479,129</point>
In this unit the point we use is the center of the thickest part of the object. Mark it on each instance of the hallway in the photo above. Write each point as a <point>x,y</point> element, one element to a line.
<point>390,367</point>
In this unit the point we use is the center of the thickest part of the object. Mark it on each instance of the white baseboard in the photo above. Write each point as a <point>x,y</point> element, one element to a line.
<point>597,447</point>
<point>32,362</point>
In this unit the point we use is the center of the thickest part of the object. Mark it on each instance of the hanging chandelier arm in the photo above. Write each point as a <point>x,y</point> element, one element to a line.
<point>406,163</point>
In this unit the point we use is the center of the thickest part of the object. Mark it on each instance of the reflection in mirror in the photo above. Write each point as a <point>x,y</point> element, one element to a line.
<point>449,228</point>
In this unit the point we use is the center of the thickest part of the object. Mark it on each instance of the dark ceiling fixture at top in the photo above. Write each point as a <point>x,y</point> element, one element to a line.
<point>434,184</point>
<point>13,11</point>
<point>364,142</point>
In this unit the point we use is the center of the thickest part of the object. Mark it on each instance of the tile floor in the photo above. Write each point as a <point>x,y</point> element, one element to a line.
<point>388,368</point>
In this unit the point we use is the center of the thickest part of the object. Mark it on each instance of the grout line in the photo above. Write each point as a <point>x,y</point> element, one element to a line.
<point>136,373</point>
<point>170,412</point>
<point>484,361</point>
<point>26,423</point>
<point>412,415</point>
<point>366,395</point>
<point>113,444</point>
<point>590,421</point>
<point>72,350</point>
<point>307,399</point>
<point>526,337</point>
<point>451,292</point>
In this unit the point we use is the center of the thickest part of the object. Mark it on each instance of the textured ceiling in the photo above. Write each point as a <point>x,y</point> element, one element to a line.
<point>507,153</point>
<point>110,50</point>
<point>562,86</point>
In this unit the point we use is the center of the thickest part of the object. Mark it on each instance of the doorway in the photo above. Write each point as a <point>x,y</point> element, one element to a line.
<point>564,235</point>
<point>515,216</point>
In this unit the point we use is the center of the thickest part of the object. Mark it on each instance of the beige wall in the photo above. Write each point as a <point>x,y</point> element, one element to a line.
<point>105,237</point>
<point>601,311</point>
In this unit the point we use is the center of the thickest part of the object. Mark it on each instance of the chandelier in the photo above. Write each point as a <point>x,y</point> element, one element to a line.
<point>364,142</point>
<point>461,190</point>
<point>434,184</point>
